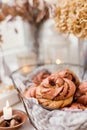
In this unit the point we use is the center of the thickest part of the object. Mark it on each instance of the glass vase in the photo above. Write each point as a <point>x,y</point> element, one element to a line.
<point>56,47</point>
<point>82,44</point>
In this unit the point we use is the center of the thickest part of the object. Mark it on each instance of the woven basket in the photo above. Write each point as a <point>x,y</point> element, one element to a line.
<point>41,118</point>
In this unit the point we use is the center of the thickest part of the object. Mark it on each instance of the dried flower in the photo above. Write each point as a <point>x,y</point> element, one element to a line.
<point>71,17</point>
<point>39,10</point>
<point>34,11</point>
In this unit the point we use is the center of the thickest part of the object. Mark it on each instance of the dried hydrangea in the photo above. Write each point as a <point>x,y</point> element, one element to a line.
<point>71,17</point>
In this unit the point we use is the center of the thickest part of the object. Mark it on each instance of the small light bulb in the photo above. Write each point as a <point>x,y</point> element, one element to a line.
<point>25,70</point>
<point>58,61</point>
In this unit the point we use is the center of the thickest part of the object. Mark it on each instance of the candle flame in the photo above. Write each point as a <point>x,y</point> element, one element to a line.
<point>7,103</point>
<point>58,61</point>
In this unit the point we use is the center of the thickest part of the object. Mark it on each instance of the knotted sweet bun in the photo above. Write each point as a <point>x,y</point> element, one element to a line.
<point>52,104</point>
<point>81,94</point>
<point>55,92</point>
<point>66,73</point>
<point>37,79</point>
<point>30,92</point>
<point>75,106</point>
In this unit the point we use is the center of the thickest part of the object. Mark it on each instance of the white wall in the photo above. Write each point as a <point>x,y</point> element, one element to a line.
<point>18,40</point>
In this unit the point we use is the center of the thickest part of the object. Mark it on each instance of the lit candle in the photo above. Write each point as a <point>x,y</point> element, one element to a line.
<point>7,111</point>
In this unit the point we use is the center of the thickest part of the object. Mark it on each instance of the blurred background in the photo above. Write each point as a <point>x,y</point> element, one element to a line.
<point>28,35</point>
<point>20,49</point>
<point>25,42</point>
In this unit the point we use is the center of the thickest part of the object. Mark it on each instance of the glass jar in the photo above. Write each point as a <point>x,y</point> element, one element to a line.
<point>56,47</point>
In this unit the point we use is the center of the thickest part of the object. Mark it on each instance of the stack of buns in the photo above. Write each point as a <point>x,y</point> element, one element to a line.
<point>58,90</point>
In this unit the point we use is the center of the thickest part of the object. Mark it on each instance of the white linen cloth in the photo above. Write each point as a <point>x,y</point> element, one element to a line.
<point>52,120</point>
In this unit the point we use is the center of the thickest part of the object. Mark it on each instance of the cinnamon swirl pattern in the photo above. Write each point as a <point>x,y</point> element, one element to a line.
<point>66,73</point>
<point>37,79</point>
<point>55,92</point>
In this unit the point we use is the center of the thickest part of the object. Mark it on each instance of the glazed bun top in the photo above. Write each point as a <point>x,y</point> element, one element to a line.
<point>37,79</point>
<point>66,73</point>
<point>56,88</point>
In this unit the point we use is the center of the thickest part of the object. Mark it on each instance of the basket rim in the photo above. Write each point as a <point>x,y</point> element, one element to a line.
<point>40,65</point>
<point>24,98</point>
